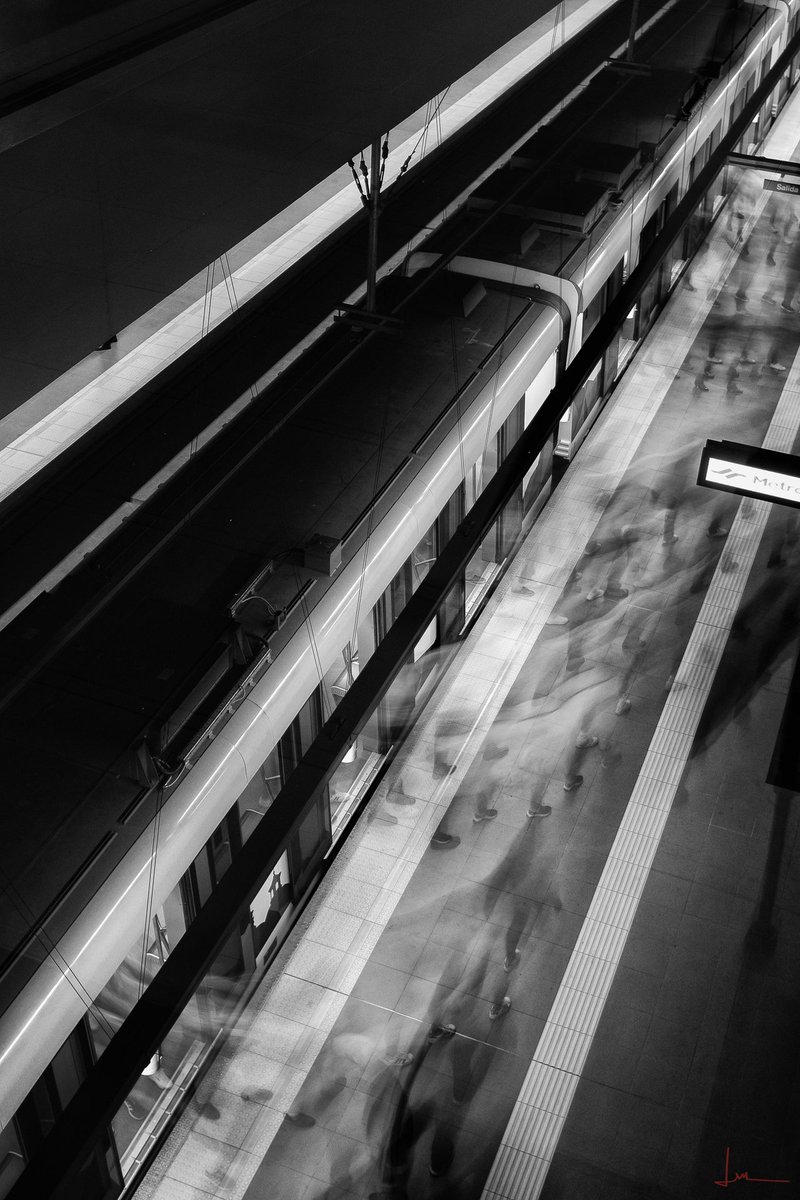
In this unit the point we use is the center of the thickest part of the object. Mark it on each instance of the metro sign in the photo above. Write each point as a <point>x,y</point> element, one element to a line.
<point>751,471</point>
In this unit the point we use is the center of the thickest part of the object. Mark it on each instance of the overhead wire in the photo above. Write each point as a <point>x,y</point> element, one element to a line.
<point>423,137</point>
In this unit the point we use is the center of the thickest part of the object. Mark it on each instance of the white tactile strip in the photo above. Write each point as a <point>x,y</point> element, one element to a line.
<point>27,453</point>
<point>344,918</point>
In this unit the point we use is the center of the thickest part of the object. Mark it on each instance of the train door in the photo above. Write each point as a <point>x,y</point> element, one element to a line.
<point>483,566</point>
<point>611,356</point>
<point>648,301</point>
<point>658,288</point>
<point>496,545</point>
<point>766,114</point>
<point>737,107</point>
<point>359,765</point>
<point>509,523</point>
<point>451,611</point>
<point>671,265</point>
<point>158,1086</point>
<point>536,485</point>
<point>203,876</point>
<point>585,404</point>
<point>695,228</point>
<point>312,838</point>
<point>397,706</point>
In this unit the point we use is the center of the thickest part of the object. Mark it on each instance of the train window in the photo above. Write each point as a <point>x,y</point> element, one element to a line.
<point>69,1067</point>
<point>356,769</point>
<point>511,429</point>
<point>37,1115</point>
<point>142,962</point>
<point>309,844</point>
<point>221,849</point>
<point>393,601</point>
<point>593,313</point>
<point>450,517</point>
<point>301,733</point>
<point>424,556</point>
<point>510,520</point>
<point>268,907</point>
<point>259,795</point>
<point>451,613</point>
<point>216,856</point>
<point>12,1162</point>
<point>536,484</point>
<point>54,1089</point>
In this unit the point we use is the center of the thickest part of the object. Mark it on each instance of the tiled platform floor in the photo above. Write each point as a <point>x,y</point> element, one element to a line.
<point>647,1032</point>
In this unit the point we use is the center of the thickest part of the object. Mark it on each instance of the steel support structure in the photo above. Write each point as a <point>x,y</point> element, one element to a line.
<point>757,163</point>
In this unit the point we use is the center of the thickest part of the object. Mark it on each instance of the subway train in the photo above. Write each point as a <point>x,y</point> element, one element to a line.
<point>74,994</point>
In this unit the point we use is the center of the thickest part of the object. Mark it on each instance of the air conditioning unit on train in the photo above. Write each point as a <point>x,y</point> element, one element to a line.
<point>322,554</point>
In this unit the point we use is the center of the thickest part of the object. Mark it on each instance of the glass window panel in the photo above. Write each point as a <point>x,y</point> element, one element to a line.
<point>269,906</point>
<point>260,793</point>
<point>12,1162</point>
<point>424,556</point>
<point>69,1070</point>
<point>312,838</point>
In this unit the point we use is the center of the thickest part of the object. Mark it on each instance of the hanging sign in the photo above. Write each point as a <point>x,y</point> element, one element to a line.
<point>751,471</point>
<point>780,185</point>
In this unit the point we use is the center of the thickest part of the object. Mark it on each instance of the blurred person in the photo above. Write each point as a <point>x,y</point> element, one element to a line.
<point>584,742</point>
<point>696,247</point>
<point>442,839</point>
<point>484,810</point>
<point>792,275</point>
<point>741,206</point>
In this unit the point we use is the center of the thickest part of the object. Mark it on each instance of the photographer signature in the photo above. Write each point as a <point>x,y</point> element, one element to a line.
<point>741,1176</point>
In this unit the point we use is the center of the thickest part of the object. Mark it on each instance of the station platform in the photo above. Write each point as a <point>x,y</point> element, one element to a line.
<point>33,432</point>
<point>543,964</point>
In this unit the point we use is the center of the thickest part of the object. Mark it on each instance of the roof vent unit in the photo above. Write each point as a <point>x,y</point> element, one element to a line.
<point>568,203</point>
<point>507,235</point>
<point>322,554</point>
<point>452,295</point>
<point>608,163</point>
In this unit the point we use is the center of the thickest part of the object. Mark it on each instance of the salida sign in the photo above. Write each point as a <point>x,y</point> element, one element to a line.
<point>780,185</point>
<point>751,471</point>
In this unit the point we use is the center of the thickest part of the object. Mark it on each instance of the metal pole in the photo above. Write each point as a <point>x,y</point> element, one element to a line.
<point>632,31</point>
<point>374,197</point>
